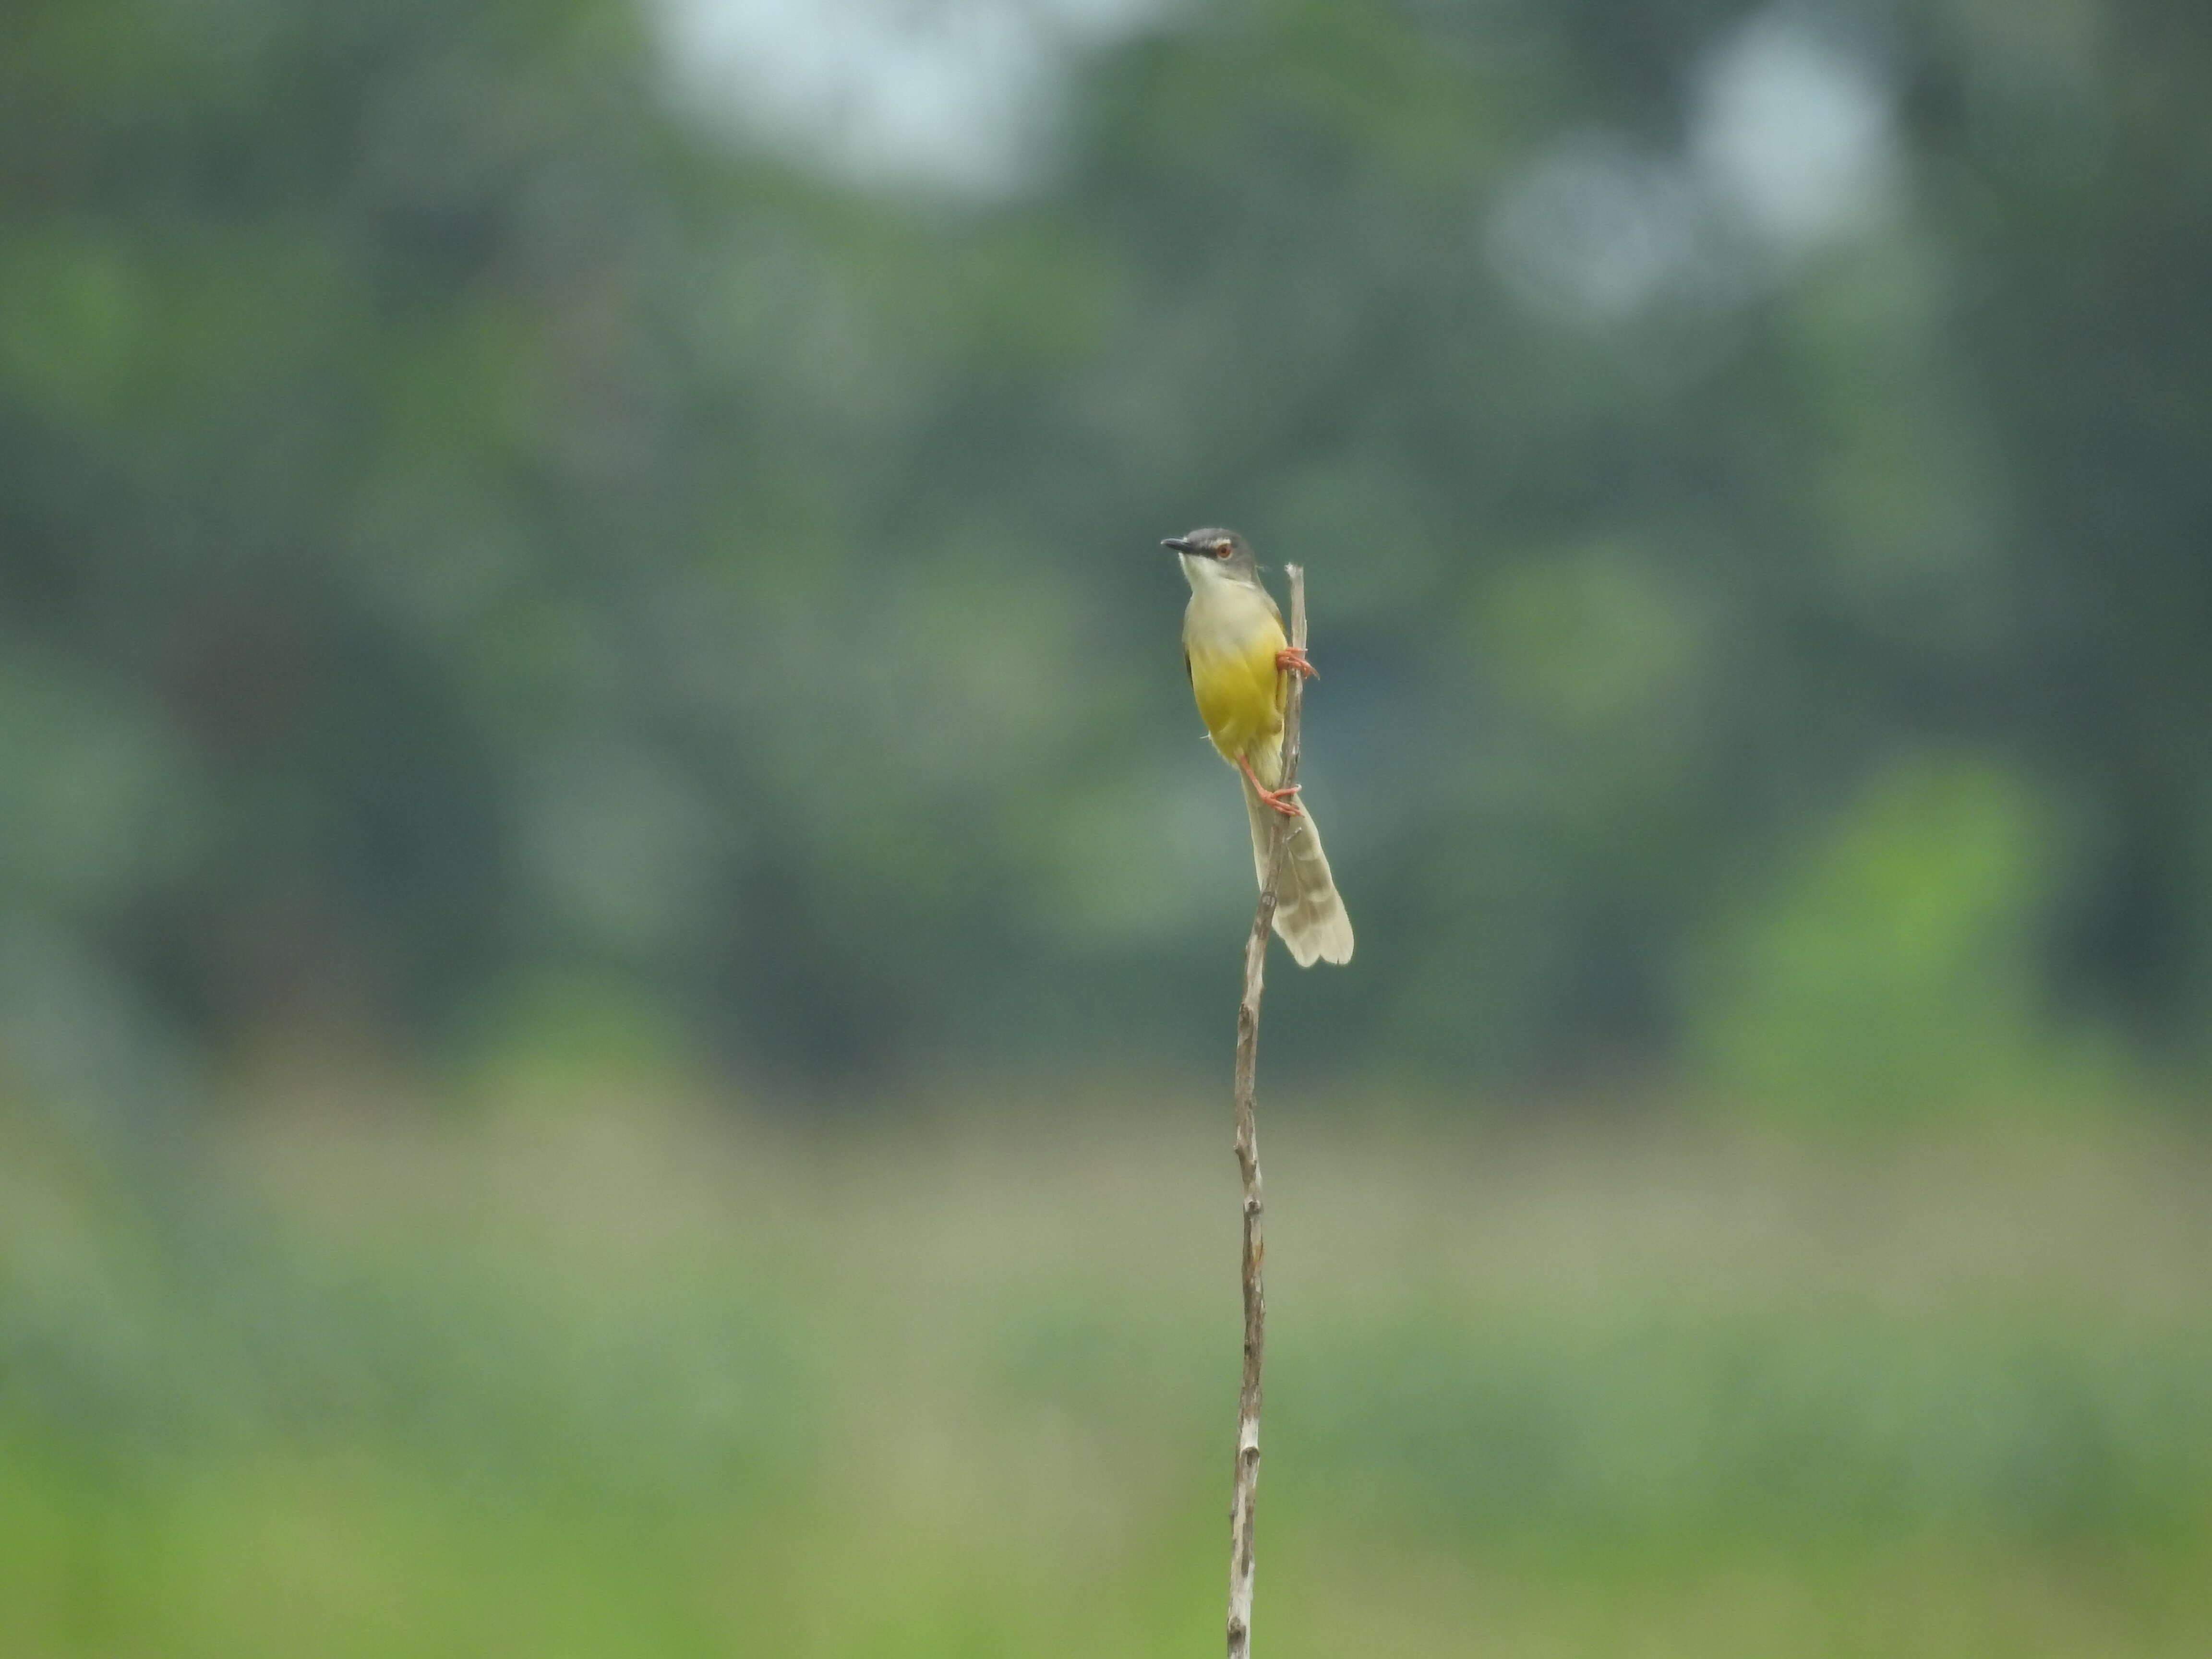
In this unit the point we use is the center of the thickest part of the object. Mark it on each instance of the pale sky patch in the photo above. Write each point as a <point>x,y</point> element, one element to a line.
<point>956,93</point>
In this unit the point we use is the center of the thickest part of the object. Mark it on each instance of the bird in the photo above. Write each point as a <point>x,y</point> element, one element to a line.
<point>1239,664</point>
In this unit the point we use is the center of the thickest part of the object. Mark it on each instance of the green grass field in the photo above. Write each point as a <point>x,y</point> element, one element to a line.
<point>617,1378</point>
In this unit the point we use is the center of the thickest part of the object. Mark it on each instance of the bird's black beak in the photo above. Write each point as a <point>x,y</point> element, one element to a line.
<point>1180,544</point>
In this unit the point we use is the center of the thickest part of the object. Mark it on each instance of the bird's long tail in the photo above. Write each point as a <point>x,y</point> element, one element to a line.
<point>1309,915</point>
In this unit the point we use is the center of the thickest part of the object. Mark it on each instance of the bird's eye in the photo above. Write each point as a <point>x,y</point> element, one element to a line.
<point>1221,550</point>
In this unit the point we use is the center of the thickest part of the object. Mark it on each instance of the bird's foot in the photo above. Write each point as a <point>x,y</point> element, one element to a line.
<point>1292,658</point>
<point>1281,801</point>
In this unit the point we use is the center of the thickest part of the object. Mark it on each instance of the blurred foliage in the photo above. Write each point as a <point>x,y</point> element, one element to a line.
<point>478,543</point>
<point>1895,972</point>
<point>629,1380</point>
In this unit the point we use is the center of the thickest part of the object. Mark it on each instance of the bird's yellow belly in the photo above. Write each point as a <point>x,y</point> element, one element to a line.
<point>1239,694</point>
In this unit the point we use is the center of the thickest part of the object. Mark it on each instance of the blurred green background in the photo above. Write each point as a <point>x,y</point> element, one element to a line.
<point>616,944</point>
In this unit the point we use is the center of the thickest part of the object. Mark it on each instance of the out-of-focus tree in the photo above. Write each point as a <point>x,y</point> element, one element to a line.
<point>481,551</point>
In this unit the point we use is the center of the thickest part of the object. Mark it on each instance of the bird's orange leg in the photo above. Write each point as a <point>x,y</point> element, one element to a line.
<point>1279,799</point>
<point>1292,658</point>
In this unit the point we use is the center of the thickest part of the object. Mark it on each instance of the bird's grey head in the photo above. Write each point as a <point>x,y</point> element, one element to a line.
<point>1213,556</point>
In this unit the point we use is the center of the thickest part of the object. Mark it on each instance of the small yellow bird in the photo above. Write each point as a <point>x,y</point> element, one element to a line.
<point>1239,664</point>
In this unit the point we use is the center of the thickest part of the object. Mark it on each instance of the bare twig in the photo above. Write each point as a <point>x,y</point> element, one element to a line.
<point>1247,1481</point>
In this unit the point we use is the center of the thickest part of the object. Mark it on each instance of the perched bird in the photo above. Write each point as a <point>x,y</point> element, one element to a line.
<point>1239,664</point>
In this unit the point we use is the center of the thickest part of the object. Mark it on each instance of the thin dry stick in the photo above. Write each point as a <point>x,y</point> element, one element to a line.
<point>1247,1162</point>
